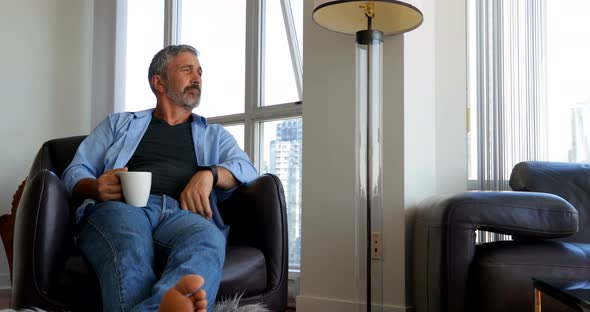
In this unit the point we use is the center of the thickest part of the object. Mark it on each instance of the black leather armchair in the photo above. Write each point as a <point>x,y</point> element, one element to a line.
<point>547,213</point>
<point>50,273</point>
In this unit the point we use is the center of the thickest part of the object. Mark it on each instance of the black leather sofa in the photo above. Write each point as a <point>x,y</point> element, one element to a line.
<point>50,273</point>
<point>548,215</point>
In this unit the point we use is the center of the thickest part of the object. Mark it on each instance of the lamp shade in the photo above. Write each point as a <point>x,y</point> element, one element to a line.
<point>347,16</point>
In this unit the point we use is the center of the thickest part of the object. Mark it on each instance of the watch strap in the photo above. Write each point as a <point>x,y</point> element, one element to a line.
<point>213,170</point>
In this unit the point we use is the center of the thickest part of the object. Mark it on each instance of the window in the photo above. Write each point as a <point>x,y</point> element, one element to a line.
<point>252,77</point>
<point>142,17</point>
<point>281,154</point>
<point>222,49</point>
<point>528,78</point>
<point>568,78</point>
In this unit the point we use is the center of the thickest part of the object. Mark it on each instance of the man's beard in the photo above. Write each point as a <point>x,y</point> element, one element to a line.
<point>185,98</point>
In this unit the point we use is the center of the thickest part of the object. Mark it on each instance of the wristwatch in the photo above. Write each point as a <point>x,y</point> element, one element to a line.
<point>213,170</point>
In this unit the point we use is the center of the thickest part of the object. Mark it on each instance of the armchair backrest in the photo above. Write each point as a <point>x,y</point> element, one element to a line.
<point>571,181</point>
<point>56,155</point>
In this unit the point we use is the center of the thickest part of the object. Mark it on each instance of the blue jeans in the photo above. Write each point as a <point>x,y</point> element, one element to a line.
<point>125,244</point>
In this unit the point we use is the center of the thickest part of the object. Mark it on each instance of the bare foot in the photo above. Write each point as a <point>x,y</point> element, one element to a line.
<point>186,295</point>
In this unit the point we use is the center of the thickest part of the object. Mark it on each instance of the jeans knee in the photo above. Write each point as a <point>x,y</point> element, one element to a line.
<point>216,240</point>
<point>108,209</point>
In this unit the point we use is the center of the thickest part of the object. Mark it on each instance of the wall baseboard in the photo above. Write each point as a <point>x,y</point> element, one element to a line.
<point>313,304</point>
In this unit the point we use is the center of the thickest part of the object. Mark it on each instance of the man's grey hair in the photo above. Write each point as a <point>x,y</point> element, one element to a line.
<point>160,62</point>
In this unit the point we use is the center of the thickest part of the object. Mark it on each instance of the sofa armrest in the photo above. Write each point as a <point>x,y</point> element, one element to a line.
<point>257,215</point>
<point>564,179</point>
<point>42,237</point>
<point>523,214</point>
<point>444,236</point>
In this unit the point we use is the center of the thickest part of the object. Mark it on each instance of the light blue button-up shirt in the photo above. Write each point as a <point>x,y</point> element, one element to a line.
<point>112,144</point>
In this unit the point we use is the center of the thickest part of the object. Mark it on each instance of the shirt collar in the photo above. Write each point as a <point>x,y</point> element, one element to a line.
<point>201,118</point>
<point>143,113</point>
<point>148,112</point>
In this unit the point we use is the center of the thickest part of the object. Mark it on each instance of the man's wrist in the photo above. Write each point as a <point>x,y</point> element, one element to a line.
<point>213,170</point>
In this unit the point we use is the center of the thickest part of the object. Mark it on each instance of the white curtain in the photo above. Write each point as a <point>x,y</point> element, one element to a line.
<point>511,100</point>
<point>511,87</point>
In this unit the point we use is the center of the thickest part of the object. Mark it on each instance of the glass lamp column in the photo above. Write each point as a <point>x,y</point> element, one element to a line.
<point>369,50</point>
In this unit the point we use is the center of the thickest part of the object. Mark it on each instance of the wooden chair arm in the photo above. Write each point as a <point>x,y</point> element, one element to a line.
<point>7,225</point>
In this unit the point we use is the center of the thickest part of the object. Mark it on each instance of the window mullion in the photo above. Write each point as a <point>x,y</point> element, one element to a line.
<point>293,45</point>
<point>261,114</point>
<point>119,85</point>
<point>172,9</point>
<point>254,39</point>
<point>278,111</point>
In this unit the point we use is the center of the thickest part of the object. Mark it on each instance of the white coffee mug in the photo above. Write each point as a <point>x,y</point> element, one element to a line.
<point>136,187</point>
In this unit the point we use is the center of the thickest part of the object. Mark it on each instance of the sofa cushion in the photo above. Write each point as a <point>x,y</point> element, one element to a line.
<point>504,270</point>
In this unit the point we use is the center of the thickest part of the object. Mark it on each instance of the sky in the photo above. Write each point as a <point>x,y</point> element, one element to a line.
<point>568,68</point>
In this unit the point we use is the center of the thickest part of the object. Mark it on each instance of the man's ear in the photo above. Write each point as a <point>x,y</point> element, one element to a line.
<point>158,83</point>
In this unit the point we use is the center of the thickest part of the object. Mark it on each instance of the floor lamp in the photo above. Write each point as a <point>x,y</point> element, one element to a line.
<point>369,20</point>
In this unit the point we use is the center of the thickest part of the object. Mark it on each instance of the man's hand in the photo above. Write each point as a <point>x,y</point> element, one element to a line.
<point>195,196</point>
<point>109,185</point>
<point>105,187</point>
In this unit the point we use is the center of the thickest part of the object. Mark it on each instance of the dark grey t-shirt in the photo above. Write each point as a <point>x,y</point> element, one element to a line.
<point>169,154</point>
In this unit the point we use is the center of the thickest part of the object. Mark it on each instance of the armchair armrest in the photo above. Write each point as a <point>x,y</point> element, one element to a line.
<point>257,216</point>
<point>41,237</point>
<point>445,235</point>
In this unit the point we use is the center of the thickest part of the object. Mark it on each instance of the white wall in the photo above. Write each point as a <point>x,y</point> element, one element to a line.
<point>435,111</point>
<point>327,256</point>
<point>420,127</point>
<point>45,85</point>
<point>424,150</point>
<point>47,60</point>
<point>106,32</point>
<point>451,95</point>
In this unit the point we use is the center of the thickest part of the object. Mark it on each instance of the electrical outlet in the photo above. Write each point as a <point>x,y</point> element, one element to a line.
<point>376,247</point>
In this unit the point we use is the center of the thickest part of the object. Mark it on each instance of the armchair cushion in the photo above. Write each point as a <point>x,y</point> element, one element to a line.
<point>244,271</point>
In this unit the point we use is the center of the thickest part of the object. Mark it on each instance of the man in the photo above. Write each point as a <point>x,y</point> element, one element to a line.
<point>179,232</point>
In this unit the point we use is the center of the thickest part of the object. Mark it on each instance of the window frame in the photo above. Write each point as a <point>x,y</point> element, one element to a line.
<point>255,112</point>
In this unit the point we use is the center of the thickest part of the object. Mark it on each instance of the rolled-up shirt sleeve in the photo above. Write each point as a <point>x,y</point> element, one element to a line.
<point>88,162</point>
<point>234,159</point>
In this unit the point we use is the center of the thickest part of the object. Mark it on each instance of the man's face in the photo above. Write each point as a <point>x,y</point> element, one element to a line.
<point>183,85</point>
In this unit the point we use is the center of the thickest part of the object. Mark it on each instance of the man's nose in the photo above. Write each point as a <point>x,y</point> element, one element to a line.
<point>196,79</point>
